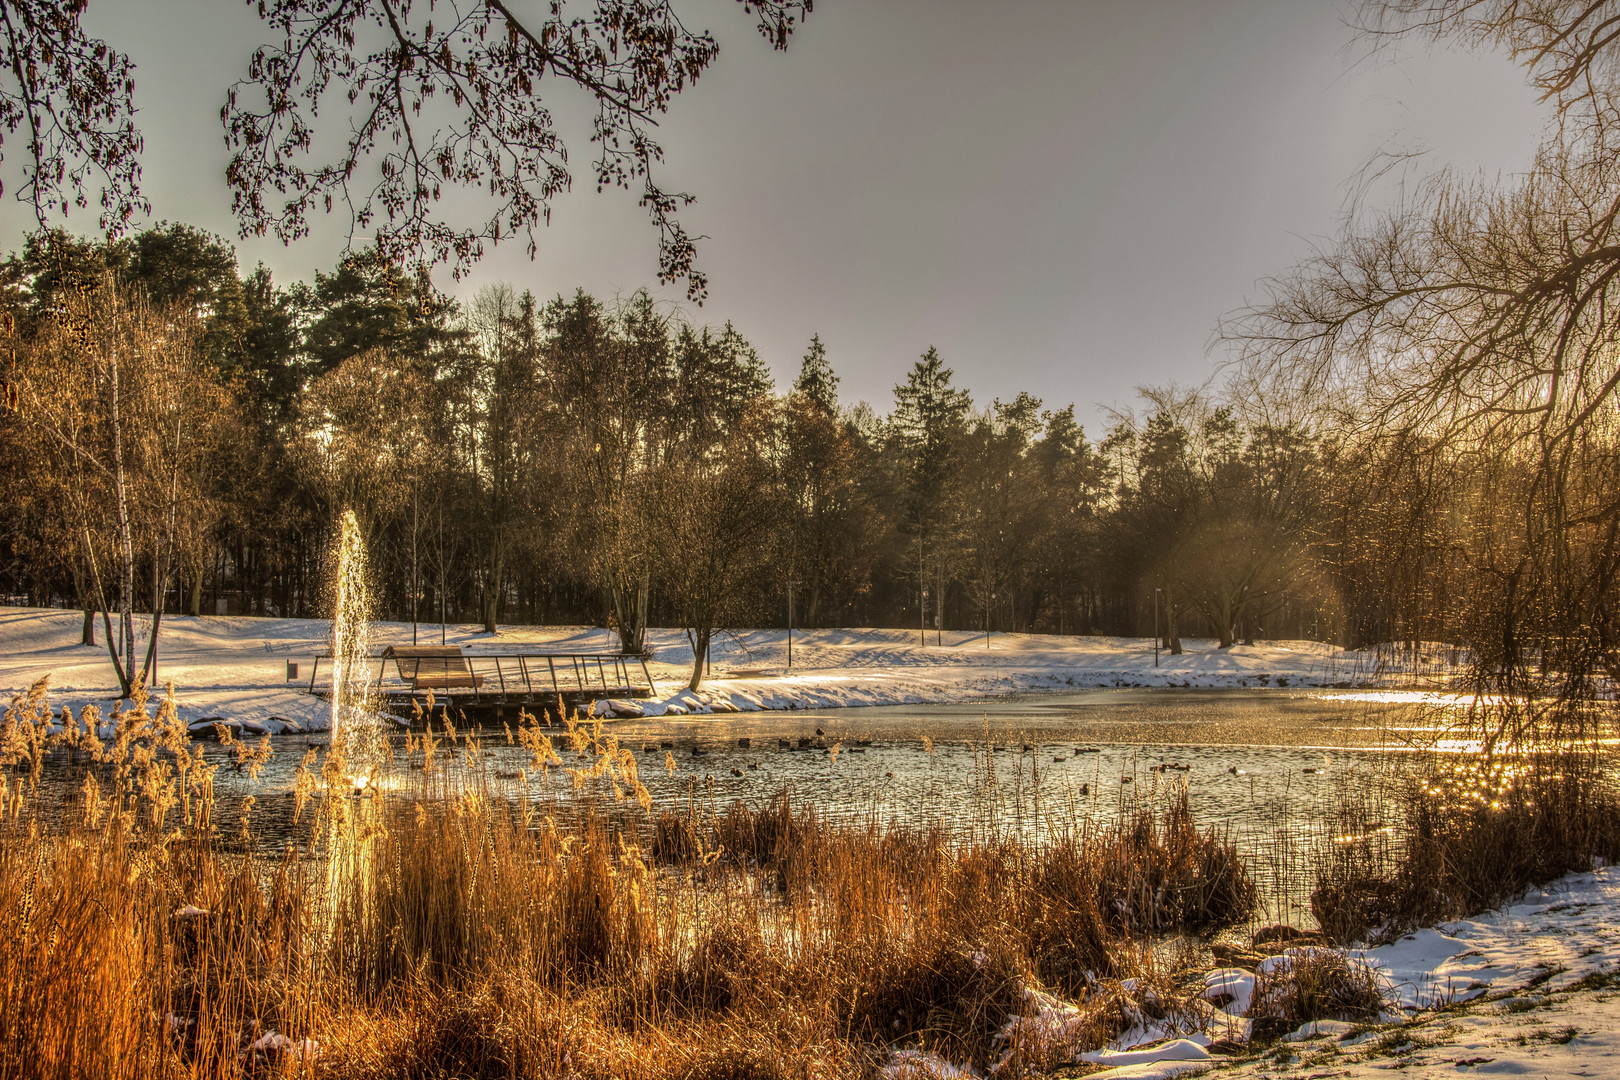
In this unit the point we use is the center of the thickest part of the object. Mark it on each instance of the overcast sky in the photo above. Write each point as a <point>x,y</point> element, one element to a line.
<point>1063,197</point>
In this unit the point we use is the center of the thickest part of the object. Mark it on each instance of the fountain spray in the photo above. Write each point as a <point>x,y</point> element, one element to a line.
<point>357,735</point>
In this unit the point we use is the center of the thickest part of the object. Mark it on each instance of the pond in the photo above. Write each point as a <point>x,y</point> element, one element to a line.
<point>1265,766</point>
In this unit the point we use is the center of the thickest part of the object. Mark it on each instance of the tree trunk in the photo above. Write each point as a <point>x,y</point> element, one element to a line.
<point>1225,617</point>
<point>626,612</point>
<point>639,638</point>
<point>700,652</point>
<point>87,604</point>
<point>194,604</point>
<point>126,545</point>
<point>492,593</point>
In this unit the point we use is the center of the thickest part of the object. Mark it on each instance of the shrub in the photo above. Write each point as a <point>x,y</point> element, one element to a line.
<point>1315,983</point>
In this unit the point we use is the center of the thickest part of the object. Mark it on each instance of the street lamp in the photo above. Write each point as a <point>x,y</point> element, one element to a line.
<point>790,585</point>
<point>922,597</point>
<point>1156,626</point>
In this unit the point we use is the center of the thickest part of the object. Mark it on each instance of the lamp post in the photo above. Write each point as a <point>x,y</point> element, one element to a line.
<point>790,585</point>
<point>1156,626</point>
<point>922,598</point>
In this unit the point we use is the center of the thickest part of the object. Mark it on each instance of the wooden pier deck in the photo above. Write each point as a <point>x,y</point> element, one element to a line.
<point>493,685</point>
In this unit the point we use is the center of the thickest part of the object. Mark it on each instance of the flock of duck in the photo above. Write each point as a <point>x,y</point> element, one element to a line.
<point>807,743</point>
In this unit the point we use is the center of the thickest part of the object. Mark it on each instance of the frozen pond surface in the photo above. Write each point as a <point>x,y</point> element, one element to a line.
<point>1248,754</point>
<point>1265,766</point>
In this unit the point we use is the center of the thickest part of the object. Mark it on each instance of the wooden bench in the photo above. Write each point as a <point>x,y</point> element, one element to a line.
<point>433,667</point>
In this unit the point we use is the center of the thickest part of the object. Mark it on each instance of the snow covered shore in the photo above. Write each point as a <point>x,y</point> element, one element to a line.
<point>1528,990</point>
<point>235,667</point>
<point>1531,989</point>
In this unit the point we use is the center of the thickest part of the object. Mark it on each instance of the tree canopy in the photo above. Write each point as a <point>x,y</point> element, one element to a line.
<point>450,99</point>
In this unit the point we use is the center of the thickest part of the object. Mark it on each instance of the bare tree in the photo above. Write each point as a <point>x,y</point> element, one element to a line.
<point>716,506</point>
<point>453,95</point>
<point>72,97</point>
<point>117,395</point>
<point>1476,322</point>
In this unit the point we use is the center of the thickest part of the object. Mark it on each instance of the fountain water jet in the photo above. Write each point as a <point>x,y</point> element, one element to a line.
<point>357,735</point>
<point>357,751</point>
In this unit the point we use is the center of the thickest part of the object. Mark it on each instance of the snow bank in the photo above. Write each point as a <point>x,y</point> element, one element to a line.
<point>1526,990</point>
<point>1554,937</point>
<point>236,667</point>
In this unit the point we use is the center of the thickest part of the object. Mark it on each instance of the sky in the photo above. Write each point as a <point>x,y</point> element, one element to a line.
<point>1063,197</point>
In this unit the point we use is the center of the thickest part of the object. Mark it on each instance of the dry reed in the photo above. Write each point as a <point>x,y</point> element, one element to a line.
<point>445,929</point>
<point>1457,834</point>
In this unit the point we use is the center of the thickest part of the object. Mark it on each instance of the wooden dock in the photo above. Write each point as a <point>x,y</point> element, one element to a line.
<point>495,686</point>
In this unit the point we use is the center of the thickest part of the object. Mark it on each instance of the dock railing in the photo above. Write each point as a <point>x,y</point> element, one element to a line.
<point>497,678</point>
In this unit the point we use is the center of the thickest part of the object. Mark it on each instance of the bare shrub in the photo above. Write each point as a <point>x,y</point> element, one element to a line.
<point>1313,984</point>
<point>1159,872</point>
<point>675,838</point>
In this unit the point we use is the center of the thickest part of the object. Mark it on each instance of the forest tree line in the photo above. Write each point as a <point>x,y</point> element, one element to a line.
<point>577,460</point>
<point>1419,438</point>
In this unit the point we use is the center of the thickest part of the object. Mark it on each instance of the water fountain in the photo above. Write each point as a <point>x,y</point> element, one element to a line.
<point>357,734</point>
<point>357,751</point>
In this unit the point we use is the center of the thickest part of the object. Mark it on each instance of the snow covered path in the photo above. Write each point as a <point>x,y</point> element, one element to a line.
<point>236,666</point>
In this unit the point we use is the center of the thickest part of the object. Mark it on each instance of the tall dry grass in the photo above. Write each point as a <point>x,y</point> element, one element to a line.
<point>1455,834</point>
<point>445,927</point>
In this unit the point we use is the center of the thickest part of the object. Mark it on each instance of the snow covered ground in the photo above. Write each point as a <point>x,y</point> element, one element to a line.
<point>235,667</point>
<point>1530,990</point>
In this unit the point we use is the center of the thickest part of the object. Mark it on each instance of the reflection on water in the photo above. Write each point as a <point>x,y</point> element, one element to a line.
<point>1266,766</point>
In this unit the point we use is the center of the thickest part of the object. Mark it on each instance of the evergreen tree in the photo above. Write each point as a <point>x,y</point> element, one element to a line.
<point>816,380</point>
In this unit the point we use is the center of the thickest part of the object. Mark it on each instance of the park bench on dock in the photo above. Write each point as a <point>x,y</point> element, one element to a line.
<point>433,667</point>
<point>406,675</point>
